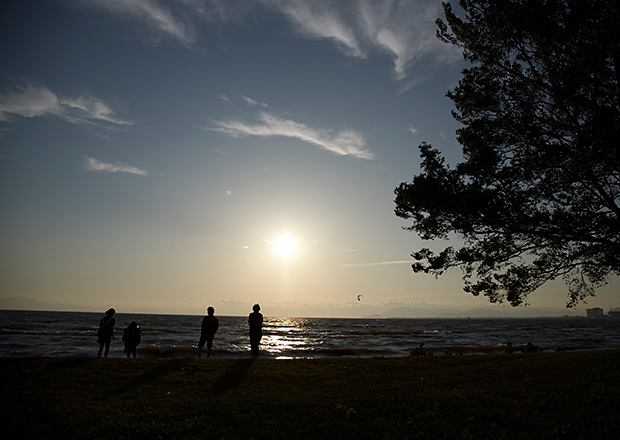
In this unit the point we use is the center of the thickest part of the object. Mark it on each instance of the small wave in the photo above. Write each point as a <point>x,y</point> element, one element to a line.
<point>383,333</point>
<point>168,351</point>
<point>153,331</point>
<point>86,328</point>
<point>32,332</point>
<point>452,349</point>
<point>348,352</point>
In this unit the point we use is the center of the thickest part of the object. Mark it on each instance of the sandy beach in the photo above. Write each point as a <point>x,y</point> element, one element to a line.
<point>518,396</point>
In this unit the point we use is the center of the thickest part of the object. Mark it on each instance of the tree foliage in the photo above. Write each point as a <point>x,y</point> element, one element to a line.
<point>537,195</point>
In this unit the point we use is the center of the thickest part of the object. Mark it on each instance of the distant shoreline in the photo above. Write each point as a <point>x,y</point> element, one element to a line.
<point>402,311</point>
<point>450,315</point>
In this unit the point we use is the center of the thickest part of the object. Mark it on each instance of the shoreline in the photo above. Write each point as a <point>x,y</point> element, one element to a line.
<point>191,352</point>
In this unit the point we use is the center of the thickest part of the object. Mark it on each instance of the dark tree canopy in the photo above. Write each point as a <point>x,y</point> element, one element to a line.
<point>537,195</point>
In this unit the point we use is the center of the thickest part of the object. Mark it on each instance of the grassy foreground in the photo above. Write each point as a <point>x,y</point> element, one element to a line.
<point>567,395</point>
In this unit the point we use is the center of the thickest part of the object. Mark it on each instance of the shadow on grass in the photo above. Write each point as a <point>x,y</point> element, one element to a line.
<point>152,375</point>
<point>67,363</point>
<point>234,377</point>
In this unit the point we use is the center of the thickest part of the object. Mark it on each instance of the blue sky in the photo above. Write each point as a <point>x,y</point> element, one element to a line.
<point>154,154</point>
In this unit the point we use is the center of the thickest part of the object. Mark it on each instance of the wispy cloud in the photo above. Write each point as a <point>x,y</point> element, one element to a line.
<point>93,164</point>
<point>321,19</point>
<point>86,108</point>
<point>359,28</point>
<point>403,29</point>
<point>406,30</point>
<point>381,263</point>
<point>29,100</point>
<point>157,17</point>
<point>344,143</point>
<point>177,20</point>
<point>252,102</point>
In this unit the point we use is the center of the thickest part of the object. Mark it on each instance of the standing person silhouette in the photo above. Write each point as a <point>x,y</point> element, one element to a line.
<point>256,329</point>
<point>105,334</point>
<point>210,324</point>
<point>132,338</point>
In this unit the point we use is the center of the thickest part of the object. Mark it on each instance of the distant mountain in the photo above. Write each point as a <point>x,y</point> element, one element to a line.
<point>481,312</point>
<point>516,312</point>
<point>411,312</point>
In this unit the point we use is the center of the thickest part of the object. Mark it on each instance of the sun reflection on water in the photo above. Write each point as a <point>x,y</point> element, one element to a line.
<point>282,337</point>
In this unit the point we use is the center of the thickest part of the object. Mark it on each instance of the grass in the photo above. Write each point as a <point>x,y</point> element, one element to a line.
<point>567,395</point>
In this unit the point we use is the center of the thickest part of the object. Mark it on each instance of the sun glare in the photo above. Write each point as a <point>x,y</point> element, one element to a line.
<point>285,246</point>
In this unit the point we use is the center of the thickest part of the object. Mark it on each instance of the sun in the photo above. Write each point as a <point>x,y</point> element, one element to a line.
<point>285,246</point>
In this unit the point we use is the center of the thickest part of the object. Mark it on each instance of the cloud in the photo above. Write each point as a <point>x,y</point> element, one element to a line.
<point>157,18</point>
<point>251,102</point>
<point>345,143</point>
<point>403,29</point>
<point>29,100</point>
<point>178,20</point>
<point>87,108</point>
<point>320,19</point>
<point>93,164</point>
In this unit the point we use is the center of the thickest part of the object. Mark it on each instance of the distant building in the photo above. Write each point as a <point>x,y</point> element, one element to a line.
<point>614,313</point>
<point>595,312</point>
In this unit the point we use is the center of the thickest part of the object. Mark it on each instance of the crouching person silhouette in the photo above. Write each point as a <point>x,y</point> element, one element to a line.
<point>131,338</point>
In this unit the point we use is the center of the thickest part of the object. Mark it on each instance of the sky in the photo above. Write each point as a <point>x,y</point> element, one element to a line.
<point>163,156</point>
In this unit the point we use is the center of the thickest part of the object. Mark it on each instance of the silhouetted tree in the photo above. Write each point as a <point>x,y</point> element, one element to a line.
<point>537,195</point>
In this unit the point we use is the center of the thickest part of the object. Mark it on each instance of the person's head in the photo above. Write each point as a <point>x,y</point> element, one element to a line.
<point>256,308</point>
<point>210,310</point>
<point>110,312</point>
